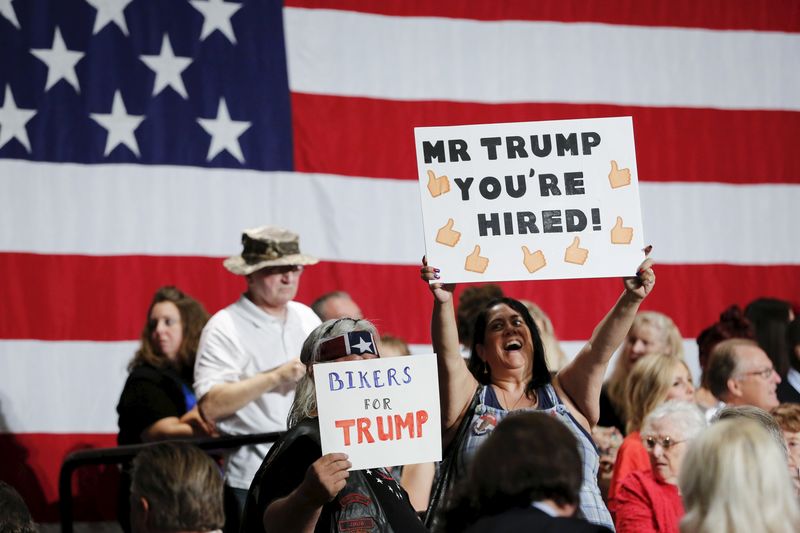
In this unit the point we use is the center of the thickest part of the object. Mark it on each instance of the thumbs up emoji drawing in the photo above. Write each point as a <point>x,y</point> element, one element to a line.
<point>447,235</point>
<point>533,261</point>
<point>437,186</point>
<point>621,234</point>
<point>575,254</point>
<point>617,177</point>
<point>476,263</point>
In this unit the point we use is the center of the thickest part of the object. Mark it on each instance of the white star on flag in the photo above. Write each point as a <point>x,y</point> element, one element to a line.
<point>168,68</point>
<point>120,126</point>
<point>217,15</point>
<point>109,11</point>
<point>13,120</point>
<point>7,10</point>
<point>60,62</point>
<point>224,133</point>
<point>364,346</point>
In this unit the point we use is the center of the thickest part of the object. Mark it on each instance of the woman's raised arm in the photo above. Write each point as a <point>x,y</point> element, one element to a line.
<point>456,383</point>
<point>582,379</point>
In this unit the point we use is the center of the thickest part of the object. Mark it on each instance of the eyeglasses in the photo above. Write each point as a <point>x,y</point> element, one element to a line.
<point>765,373</point>
<point>666,443</point>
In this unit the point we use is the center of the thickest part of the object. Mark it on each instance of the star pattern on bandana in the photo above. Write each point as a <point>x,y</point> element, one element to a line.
<point>364,346</point>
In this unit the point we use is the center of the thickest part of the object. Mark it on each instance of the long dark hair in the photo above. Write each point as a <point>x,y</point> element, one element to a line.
<point>540,373</point>
<point>770,318</point>
<point>193,317</point>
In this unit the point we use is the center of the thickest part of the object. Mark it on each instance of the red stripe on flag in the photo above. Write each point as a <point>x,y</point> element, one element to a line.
<point>672,144</point>
<point>764,15</point>
<point>32,461</point>
<point>108,297</point>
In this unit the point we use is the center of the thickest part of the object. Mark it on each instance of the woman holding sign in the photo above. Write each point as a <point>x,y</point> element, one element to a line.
<point>507,372</point>
<point>299,489</point>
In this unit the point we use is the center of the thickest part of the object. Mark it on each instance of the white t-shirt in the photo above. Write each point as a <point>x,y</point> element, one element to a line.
<point>237,343</point>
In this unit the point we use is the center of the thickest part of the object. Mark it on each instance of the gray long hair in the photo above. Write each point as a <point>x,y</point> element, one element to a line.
<point>305,398</point>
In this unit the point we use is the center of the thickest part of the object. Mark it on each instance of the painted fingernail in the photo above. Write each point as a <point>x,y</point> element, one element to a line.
<point>436,270</point>
<point>436,276</point>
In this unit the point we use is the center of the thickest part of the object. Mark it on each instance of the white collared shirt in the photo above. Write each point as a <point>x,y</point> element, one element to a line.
<point>546,508</point>
<point>793,377</point>
<point>237,343</point>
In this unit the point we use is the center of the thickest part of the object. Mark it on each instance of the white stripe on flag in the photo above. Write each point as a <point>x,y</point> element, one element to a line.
<point>62,387</point>
<point>78,384</point>
<point>98,211</point>
<point>414,58</point>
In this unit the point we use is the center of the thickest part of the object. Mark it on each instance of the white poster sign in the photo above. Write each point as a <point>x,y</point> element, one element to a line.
<point>531,200</point>
<point>380,412</point>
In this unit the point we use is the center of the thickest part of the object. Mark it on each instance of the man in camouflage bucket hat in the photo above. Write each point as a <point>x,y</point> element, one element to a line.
<point>248,360</point>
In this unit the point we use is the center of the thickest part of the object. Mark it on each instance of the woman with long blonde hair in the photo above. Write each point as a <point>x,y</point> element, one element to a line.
<point>653,380</point>
<point>651,333</point>
<point>734,479</point>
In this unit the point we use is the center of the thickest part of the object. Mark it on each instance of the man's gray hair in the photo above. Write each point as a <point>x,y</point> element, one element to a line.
<point>766,420</point>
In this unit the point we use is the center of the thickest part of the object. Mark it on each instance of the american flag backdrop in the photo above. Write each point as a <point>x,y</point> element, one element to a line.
<point>139,137</point>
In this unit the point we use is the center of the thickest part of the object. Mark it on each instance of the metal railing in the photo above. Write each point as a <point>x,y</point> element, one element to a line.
<point>121,454</point>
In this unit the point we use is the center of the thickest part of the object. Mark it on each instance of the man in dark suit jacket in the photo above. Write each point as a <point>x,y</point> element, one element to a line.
<point>534,520</point>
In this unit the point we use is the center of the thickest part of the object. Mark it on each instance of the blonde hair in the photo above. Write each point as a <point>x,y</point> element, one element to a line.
<point>734,478</point>
<point>787,416</point>
<point>553,353</point>
<point>390,342</point>
<point>673,345</point>
<point>647,387</point>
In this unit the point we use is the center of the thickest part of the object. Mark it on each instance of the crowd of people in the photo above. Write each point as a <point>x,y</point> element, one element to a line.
<point>531,439</point>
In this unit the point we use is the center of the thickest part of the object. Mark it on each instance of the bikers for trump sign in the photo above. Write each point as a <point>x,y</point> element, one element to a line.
<point>380,412</point>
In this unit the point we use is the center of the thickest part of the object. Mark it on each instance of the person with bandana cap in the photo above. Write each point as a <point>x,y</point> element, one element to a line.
<point>299,489</point>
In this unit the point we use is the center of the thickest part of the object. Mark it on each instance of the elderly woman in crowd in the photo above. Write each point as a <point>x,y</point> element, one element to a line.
<point>651,333</point>
<point>648,500</point>
<point>299,489</point>
<point>734,479</point>
<point>511,491</point>
<point>158,402</point>
<point>507,372</point>
<point>653,380</point>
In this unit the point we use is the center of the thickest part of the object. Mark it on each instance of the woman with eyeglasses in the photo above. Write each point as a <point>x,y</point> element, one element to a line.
<point>299,489</point>
<point>653,380</point>
<point>649,501</point>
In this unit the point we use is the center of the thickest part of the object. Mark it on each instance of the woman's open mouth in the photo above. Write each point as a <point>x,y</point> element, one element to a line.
<point>512,345</point>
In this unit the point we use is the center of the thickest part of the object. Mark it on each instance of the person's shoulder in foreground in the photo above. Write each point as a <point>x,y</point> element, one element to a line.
<point>531,519</point>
